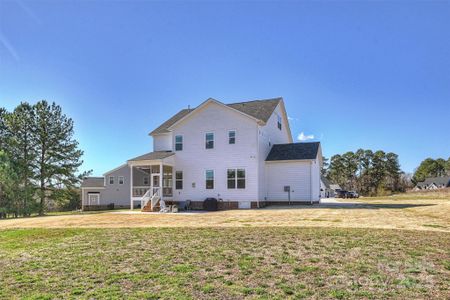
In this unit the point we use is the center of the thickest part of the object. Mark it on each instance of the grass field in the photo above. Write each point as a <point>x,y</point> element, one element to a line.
<point>375,249</point>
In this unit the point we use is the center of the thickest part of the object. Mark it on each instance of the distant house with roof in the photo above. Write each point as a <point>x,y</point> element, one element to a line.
<point>242,154</point>
<point>433,183</point>
<point>325,188</point>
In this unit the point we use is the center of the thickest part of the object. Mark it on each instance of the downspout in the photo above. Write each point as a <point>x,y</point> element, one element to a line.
<point>310,183</point>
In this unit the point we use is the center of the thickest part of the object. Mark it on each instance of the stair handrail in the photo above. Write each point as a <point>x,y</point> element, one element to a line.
<point>145,198</point>
<point>155,198</point>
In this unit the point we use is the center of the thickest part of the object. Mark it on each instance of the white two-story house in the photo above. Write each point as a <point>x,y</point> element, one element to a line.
<point>241,154</point>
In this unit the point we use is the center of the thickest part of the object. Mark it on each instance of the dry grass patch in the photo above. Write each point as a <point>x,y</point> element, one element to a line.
<point>418,214</point>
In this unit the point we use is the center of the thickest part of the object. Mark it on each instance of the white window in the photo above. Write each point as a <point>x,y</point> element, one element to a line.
<point>111,179</point>
<point>209,138</point>
<point>93,199</point>
<point>121,179</point>
<point>178,142</point>
<point>236,178</point>
<point>279,122</point>
<point>209,179</point>
<point>179,180</point>
<point>146,180</point>
<point>232,137</point>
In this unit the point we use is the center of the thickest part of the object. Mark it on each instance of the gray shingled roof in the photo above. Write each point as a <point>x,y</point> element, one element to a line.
<point>335,187</point>
<point>325,181</point>
<point>153,155</point>
<point>437,181</point>
<point>421,184</point>
<point>293,151</point>
<point>178,116</point>
<point>93,182</point>
<point>259,109</point>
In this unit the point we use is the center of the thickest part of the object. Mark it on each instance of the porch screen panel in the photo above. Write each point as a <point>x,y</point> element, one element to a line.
<point>167,181</point>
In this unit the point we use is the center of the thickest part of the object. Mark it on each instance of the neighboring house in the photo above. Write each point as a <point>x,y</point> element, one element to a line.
<point>241,154</point>
<point>325,188</point>
<point>335,188</point>
<point>433,183</point>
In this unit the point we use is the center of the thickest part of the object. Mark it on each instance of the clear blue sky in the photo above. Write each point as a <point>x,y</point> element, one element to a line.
<point>353,74</point>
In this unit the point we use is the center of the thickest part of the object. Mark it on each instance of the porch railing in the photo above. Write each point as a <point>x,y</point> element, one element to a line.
<point>139,191</point>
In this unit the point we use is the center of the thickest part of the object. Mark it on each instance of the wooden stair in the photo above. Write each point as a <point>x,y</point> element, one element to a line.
<point>148,207</point>
<point>152,203</point>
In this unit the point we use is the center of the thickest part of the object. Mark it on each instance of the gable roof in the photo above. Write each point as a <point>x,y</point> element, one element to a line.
<point>335,187</point>
<point>93,182</point>
<point>258,109</point>
<point>116,169</point>
<point>153,155</point>
<point>325,181</point>
<point>421,184</point>
<point>294,151</point>
<point>436,180</point>
<point>163,128</point>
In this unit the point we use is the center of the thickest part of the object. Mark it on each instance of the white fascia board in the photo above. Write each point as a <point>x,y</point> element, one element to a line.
<point>283,110</point>
<point>209,101</point>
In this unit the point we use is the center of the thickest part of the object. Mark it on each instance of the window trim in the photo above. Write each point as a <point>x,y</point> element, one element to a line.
<point>230,131</point>
<point>206,140</point>
<point>279,121</point>
<point>237,178</point>
<point>113,180</point>
<point>206,179</point>
<point>178,180</point>
<point>123,180</point>
<point>93,194</point>
<point>179,143</point>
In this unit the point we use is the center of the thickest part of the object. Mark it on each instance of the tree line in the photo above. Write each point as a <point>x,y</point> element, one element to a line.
<point>39,159</point>
<point>431,168</point>
<point>367,172</point>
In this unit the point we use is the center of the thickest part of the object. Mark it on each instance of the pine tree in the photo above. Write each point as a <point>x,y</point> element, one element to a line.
<point>3,128</point>
<point>430,168</point>
<point>58,156</point>
<point>10,200</point>
<point>448,166</point>
<point>20,148</point>
<point>393,171</point>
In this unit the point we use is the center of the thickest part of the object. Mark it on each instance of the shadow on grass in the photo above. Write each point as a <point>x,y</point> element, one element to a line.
<point>59,214</point>
<point>348,206</point>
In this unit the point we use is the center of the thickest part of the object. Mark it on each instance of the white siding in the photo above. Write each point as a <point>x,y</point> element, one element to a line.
<point>315,180</point>
<point>194,159</point>
<point>268,136</point>
<point>162,142</point>
<point>296,174</point>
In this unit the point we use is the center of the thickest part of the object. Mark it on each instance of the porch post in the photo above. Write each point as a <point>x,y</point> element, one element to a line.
<point>131,187</point>
<point>161,174</point>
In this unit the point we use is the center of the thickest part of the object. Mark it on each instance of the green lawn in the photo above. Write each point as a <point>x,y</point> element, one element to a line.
<point>224,263</point>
